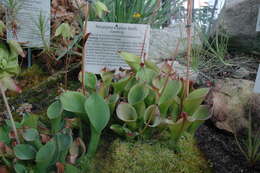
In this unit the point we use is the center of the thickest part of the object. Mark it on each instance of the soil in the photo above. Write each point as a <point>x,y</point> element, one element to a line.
<point>220,148</point>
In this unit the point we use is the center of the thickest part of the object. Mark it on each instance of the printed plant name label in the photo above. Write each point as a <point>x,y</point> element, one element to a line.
<point>29,17</point>
<point>258,21</point>
<point>257,82</point>
<point>106,39</point>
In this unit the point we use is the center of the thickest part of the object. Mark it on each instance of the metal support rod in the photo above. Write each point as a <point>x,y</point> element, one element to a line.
<point>29,57</point>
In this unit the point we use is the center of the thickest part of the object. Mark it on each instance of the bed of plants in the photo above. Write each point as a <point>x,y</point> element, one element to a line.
<point>142,119</point>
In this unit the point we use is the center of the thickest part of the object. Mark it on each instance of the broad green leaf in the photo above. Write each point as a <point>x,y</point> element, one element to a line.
<point>54,110</point>
<point>19,168</point>
<point>138,93</point>
<point>107,77</point>
<point>118,129</point>
<point>73,102</point>
<point>201,114</point>
<point>31,134</point>
<point>90,80</point>
<point>63,142</point>
<point>98,112</point>
<point>171,90</point>
<point>126,112</point>
<point>194,100</point>
<point>46,154</point>
<point>152,116</point>
<point>132,60</point>
<point>24,151</point>
<point>15,47</point>
<point>146,75</point>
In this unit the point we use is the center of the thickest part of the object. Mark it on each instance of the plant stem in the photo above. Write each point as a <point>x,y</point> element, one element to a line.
<point>189,37</point>
<point>84,54</point>
<point>10,114</point>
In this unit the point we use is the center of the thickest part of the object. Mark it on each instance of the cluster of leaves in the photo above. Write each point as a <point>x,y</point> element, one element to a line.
<point>37,152</point>
<point>155,12</point>
<point>148,99</point>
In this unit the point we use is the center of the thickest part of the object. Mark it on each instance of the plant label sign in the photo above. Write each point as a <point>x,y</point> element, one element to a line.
<point>29,22</point>
<point>107,39</point>
<point>258,21</point>
<point>257,82</point>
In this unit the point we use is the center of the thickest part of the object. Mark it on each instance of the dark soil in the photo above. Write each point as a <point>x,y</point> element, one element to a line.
<point>220,148</point>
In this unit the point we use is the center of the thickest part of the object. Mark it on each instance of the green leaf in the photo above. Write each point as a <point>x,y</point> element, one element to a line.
<point>126,112</point>
<point>201,114</point>
<point>71,169</point>
<point>99,8</point>
<point>177,128</point>
<point>4,135</point>
<point>54,110</point>
<point>15,47</point>
<point>107,77</point>
<point>194,100</point>
<point>90,80</point>
<point>138,93</point>
<point>112,101</point>
<point>98,112</point>
<point>171,90</point>
<point>2,27</point>
<point>152,116</point>
<point>146,75</point>
<point>132,60</point>
<point>120,85</point>
<point>19,168</point>
<point>31,135</point>
<point>24,151</point>
<point>63,142</point>
<point>151,65</point>
<point>64,30</point>
<point>46,154</point>
<point>73,102</point>
<point>30,121</point>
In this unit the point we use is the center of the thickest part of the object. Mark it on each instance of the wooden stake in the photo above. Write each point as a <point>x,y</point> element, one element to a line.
<point>10,115</point>
<point>189,44</point>
<point>85,36</point>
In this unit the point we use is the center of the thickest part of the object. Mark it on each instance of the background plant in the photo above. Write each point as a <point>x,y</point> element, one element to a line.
<point>155,12</point>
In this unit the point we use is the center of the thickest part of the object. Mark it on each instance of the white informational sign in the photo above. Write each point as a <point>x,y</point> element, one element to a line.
<point>106,39</point>
<point>257,82</point>
<point>27,22</point>
<point>258,21</point>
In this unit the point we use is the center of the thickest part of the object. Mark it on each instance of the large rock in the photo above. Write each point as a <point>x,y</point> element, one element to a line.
<point>163,42</point>
<point>239,19</point>
<point>232,102</point>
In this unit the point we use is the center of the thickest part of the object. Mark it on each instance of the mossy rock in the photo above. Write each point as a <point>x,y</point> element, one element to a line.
<point>140,157</point>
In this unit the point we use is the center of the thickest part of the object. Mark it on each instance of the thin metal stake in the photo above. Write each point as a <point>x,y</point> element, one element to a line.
<point>29,57</point>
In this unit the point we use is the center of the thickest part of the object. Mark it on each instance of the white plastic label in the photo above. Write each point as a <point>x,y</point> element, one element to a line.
<point>257,82</point>
<point>106,39</point>
<point>26,28</point>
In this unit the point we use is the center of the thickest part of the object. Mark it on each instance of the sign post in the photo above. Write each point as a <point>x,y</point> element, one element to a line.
<point>257,82</point>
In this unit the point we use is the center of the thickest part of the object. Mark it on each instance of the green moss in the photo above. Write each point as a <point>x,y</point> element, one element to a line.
<point>129,157</point>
